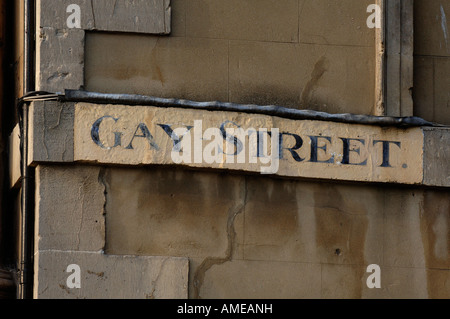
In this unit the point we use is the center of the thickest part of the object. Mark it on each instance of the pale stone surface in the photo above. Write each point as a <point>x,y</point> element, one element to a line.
<point>69,208</point>
<point>53,14</point>
<point>408,283</point>
<point>14,154</point>
<point>289,237</point>
<point>194,68</point>
<point>320,222</point>
<point>322,235</point>
<point>110,276</point>
<point>423,93</point>
<point>345,22</point>
<point>431,28</point>
<point>245,20</point>
<point>50,132</point>
<point>142,16</point>
<point>262,280</point>
<point>174,213</point>
<point>405,161</point>
<point>435,228</point>
<point>59,59</point>
<point>441,92</point>
<point>60,48</point>
<point>402,246</point>
<point>334,79</point>
<point>436,157</point>
<point>416,229</point>
<point>432,60</point>
<point>438,283</point>
<point>234,40</point>
<point>178,18</point>
<point>343,281</point>
<point>430,88</point>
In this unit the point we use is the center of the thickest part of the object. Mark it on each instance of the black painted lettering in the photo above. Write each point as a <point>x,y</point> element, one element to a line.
<point>238,146</point>
<point>346,151</point>
<point>145,134</point>
<point>95,133</point>
<point>298,144</point>
<point>174,137</point>
<point>315,149</point>
<point>386,151</point>
<point>260,143</point>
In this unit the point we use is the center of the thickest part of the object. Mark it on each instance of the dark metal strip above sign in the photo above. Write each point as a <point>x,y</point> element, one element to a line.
<point>271,110</point>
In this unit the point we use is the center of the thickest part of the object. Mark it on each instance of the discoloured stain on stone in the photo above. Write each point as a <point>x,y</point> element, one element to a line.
<point>319,69</point>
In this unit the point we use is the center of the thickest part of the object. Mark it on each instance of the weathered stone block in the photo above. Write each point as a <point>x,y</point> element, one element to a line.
<point>315,222</point>
<point>343,281</point>
<point>403,246</point>
<point>404,283</point>
<point>60,59</point>
<point>436,156</point>
<point>423,92</point>
<point>325,78</point>
<point>53,14</point>
<point>334,22</point>
<point>441,93</point>
<point>50,132</point>
<point>435,228</point>
<point>241,279</point>
<point>190,68</point>
<point>110,276</point>
<point>157,212</point>
<point>142,16</point>
<point>69,208</point>
<point>431,28</point>
<point>260,20</point>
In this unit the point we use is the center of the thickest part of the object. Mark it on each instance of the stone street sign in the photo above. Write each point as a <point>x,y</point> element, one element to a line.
<point>138,135</point>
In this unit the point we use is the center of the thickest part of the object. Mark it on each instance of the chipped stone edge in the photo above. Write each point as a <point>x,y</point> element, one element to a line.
<point>43,133</point>
<point>436,164</point>
<point>50,279</point>
<point>72,77</point>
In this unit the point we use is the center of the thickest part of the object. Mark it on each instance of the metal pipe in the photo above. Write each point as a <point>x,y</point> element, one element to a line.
<point>24,247</point>
<point>28,47</point>
<point>25,271</point>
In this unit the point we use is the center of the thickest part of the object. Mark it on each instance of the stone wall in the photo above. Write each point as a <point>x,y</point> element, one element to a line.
<point>244,236</point>
<point>159,231</point>
<point>302,54</point>
<point>432,60</point>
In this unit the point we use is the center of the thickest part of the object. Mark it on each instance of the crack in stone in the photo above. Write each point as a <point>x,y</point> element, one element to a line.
<point>81,195</point>
<point>208,262</point>
<point>102,180</point>
<point>93,13</point>
<point>155,282</point>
